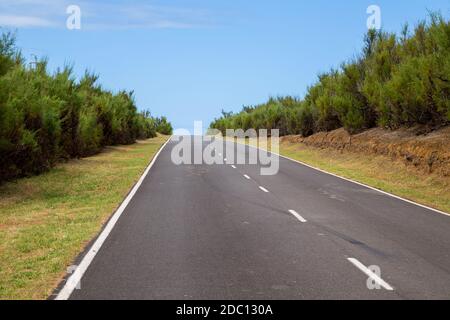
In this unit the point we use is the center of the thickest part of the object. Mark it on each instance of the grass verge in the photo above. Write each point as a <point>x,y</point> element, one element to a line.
<point>377,171</point>
<point>47,220</point>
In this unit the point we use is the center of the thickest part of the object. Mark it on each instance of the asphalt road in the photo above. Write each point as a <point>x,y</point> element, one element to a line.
<point>211,232</point>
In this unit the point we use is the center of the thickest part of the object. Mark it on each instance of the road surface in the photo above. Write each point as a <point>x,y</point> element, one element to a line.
<point>226,232</point>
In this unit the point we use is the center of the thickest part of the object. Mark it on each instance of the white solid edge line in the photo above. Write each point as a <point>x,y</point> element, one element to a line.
<point>299,217</point>
<point>370,274</point>
<point>356,182</point>
<point>247,177</point>
<point>264,189</point>
<point>76,276</point>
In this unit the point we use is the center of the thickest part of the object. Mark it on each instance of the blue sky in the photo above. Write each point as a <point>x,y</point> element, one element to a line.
<point>190,59</point>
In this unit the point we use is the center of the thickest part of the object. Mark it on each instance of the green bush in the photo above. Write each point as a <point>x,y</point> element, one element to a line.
<point>48,117</point>
<point>163,126</point>
<point>307,116</point>
<point>9,56</point>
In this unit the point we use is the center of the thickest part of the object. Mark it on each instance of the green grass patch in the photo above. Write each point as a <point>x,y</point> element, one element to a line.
<point>47,220</point>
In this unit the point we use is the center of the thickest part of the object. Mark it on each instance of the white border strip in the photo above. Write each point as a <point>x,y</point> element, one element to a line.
<point>353,181</point>
<point>370,274</point>
<point>76,276</point>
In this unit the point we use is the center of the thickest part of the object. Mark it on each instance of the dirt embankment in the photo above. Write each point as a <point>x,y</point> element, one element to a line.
<point>428,152</point>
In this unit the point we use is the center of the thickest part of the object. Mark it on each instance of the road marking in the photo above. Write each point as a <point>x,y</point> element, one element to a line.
<point>299,217</point>
<point>234,167</point>
<point>370,274</point>
<point>264,189</point>
<point>355,182</point>
<point>247,177</point>
<point>76,276</point>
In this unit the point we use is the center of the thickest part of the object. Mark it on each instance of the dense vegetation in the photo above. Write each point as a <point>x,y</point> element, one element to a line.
<point>163,126</point>
<point>396,81</point>
<point>45,118</point>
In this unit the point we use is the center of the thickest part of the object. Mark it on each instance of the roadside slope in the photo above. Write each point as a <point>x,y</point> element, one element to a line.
<point>427,151</point>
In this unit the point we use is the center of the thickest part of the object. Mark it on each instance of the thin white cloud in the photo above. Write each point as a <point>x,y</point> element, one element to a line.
<point>101,15</point>
<point>141,15</point>
<point>23,21</point>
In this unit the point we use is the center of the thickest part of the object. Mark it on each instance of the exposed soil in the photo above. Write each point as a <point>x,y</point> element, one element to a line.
<point>428,152</point>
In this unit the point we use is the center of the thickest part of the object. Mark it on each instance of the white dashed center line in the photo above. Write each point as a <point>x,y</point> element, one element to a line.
<point>247,177</point>
<point>264,189</point>
<point>299,217</point>
<point>234,167</point>
<point>370,274</point>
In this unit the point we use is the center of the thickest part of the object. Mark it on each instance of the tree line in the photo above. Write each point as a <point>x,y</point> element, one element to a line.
<point>46,118</point>
<point>396,81</point>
